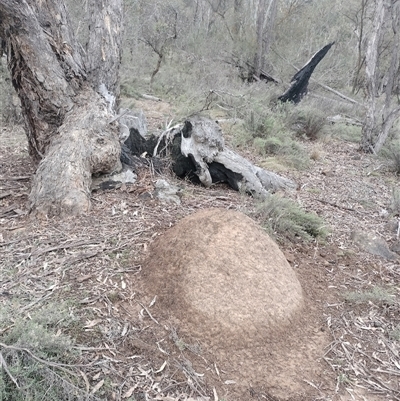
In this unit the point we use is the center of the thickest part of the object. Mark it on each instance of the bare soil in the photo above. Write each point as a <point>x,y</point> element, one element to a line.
<point>341,348</point>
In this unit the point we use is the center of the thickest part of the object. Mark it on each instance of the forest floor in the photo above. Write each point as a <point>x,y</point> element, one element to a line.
<point>347,350</point>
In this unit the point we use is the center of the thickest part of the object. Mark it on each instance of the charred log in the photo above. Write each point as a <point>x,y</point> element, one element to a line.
<point>299,84</point>
<point>198,153</point>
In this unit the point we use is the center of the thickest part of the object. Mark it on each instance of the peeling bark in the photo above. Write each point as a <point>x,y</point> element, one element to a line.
<point>369,128</point>
<point>67,108</point>
<point>104,46</point>
<point>378,123</point>
<point>84,145</point>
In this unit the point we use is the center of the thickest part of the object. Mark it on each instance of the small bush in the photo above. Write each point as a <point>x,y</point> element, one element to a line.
<point>392,154</point>
<point>307,122</point>
<point>395,202</point>
<point>272,138</point>
<point>273,145</point>
<point>377,295</point>
<point>348,133</point>
<point>285,218</point>
<point>395,333</point>
<point>32,349</point>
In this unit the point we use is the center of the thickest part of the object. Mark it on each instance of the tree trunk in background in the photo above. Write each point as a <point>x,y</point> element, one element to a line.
<point>237,18</point>
<point>104,46</point>
<point>376,127</point>
<point>389,114</point>
<point>269,28</point>
<point>67,120</point>
<point>259,55</point>
<point>265,24</point>
<point>371,61</point>
<point>360,39</point>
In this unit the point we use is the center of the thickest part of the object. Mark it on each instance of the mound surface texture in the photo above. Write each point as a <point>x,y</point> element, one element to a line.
<point>220,275</point>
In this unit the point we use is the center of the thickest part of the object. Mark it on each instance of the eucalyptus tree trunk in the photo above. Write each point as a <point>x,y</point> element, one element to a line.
<point>67,100</point>
<point>359,32</point>
<point>371,64</point>
<point>260,23</point>
<point>379,122</point>
<point>389,113</point>
<point>237,16</point>
<point>265,23</point>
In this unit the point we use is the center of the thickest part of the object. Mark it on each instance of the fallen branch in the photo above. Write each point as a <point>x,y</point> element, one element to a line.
<point>21,178</point>
<point>43,361</point>
<point>150,97</point>
<point>335,205</point>
<point>64,246</point>
<point>148,312</point>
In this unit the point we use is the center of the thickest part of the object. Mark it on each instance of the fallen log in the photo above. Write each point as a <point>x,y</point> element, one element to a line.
<point>198,152</point>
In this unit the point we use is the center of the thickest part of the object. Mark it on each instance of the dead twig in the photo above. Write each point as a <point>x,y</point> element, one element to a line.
<point>3,364</point>
<point>148,312</point>
<point>43,361</point>
<point>5,194</point>
<point>335,205</point>
<point>21,178</point>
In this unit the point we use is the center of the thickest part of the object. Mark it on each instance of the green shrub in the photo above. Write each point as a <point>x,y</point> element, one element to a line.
<point>273,145</point>
<point>31,349</point>
<point>395,202</point>
<point>307,122</point>
<point>391,153</point>
<point>283,217</point>
<point>377,295</point>
<point>349,133</point>
<point>272,137</point>
<point>395,333</point>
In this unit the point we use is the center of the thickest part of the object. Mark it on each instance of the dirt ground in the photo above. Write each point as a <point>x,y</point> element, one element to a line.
<point>341,348</point>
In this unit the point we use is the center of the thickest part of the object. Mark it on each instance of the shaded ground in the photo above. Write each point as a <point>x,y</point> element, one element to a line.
<point>345,346</point>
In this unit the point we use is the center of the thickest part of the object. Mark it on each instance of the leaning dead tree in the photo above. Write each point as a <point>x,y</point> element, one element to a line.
<point>68,100</point>
<point>299,84</point>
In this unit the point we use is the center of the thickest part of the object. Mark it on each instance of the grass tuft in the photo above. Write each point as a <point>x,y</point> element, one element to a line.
<point>307,122</point>
<point>283,217</point>
<point>35,354</point>
<point>391,153</point>
<point>377,295</point>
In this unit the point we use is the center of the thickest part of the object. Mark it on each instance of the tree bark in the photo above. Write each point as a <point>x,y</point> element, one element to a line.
<point>389,115</point>
<point>371,63</point>
<point>67,110</point>
<point>260,23</point>
<point>103,48</point>
<point>360,39</point>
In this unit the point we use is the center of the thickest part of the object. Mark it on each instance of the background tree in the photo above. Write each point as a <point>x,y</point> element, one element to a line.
<point>266,16</point>
<point>158,29</point>
<point>68,99</point>
<point>382,75</point>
